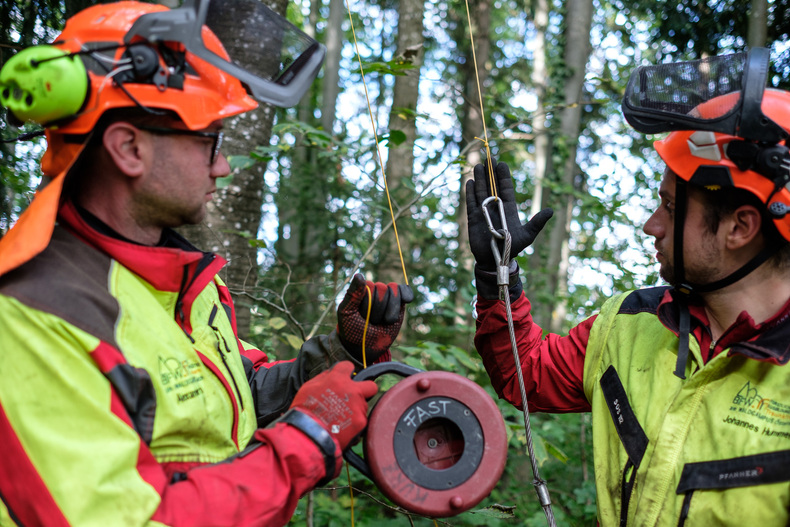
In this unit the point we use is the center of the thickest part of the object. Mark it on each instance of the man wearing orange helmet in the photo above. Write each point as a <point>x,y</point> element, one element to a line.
<point>687,384</point>
<point>127,397</point>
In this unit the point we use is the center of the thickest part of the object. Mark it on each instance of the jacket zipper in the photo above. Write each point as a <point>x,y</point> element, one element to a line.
<point>220,338</point>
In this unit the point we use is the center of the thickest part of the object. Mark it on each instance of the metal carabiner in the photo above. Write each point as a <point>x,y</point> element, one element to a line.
<point>491,228</point>
<point>495,233</point>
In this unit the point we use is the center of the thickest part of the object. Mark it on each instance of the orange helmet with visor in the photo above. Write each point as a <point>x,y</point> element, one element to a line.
<point>713,159</point>
<point>133,54</point>
<point>727,130</point>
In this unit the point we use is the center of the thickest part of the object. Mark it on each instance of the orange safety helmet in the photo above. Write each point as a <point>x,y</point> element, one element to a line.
<point>727,130</point>
<point>205,94</point>
<point>148,56</point>
<point>708,159</point>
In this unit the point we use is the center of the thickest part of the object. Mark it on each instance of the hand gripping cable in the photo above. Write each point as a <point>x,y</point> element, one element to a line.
<point>503,281</point>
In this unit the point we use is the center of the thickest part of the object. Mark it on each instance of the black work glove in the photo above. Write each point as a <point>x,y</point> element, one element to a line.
<point>522,236</point>
<point>386,316</point>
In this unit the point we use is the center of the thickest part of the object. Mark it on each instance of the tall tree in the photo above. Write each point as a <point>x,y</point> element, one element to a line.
<point>757,33</point>
<point>543,159</point>
<point>235,214</point>
<point>399,168</point>
<point>474,72</point>
<point>578,21</point>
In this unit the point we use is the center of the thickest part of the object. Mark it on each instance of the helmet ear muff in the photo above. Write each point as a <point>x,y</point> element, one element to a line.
<point>43,84</point>
<point>145,67</point>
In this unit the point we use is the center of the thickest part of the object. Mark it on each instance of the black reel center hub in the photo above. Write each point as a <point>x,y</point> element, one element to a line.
<point>438,443</point>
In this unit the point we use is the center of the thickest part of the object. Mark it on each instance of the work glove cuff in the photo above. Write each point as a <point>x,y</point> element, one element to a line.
<point>486,283</point>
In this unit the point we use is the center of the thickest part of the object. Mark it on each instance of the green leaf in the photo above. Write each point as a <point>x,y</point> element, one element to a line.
<point>258,243</point>
<point>496,511</point>
<point>396,137</point>
<point>277,323</point>
<point>240,162</point>
<point>463,357</point>
<point>294,341</point>
<point>415,362</point>
<point>555,452</point>
<point>223,182</point>
<point>391,67</point>
<point>437,358</point>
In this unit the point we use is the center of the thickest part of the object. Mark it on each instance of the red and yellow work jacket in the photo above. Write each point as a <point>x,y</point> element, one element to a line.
<point>127,399</point>
<point>710,449</point>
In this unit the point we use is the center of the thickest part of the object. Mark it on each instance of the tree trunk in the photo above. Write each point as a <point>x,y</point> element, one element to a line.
<point>577,51</point>
<point>334,46</point>
<point>758,24</point>
<point>235,214</point>
<point>471,129</point>
<point>400,160</point>
<point>535,283</point>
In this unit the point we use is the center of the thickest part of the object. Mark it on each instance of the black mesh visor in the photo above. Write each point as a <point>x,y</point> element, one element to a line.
<point>264,43</point>
<point>720,94</point>
<point>272,58</point>
<point>664,97</point>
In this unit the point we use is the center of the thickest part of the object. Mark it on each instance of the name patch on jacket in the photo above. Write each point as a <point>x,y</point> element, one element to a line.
<point>759,413</point>
<point>182,377</point>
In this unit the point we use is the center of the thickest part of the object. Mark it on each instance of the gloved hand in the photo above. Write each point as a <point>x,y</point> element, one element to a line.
<point>522,236</point>
<point>386,316</point>
<point>337,402</point>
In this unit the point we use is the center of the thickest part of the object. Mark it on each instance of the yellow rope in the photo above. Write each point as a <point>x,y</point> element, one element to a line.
<point>484,139</point>
<point>365,330</point>
<point>378,148</point>
<point>351,492</point>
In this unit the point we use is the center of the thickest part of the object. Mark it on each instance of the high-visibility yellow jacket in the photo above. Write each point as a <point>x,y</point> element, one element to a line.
<point>126,397</point>
<point>710,449</point>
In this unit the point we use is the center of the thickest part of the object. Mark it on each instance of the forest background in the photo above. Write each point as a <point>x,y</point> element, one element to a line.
<point>306,205</point>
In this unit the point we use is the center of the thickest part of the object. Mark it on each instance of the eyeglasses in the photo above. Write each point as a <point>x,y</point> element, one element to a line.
<point>216,136</point>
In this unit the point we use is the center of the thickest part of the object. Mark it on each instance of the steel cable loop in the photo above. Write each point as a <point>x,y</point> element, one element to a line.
<point>540,485</point>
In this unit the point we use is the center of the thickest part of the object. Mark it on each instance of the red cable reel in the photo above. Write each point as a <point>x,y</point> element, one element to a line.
<point>435,442</point>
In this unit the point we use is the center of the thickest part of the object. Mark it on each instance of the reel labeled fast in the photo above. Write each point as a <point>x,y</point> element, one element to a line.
<point>435,443</point>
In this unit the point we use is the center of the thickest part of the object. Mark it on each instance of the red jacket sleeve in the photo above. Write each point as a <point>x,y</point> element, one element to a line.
<point>552,366</point>
<point>260,486</point>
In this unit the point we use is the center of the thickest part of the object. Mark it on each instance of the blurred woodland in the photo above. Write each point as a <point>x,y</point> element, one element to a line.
<point>308,202</point>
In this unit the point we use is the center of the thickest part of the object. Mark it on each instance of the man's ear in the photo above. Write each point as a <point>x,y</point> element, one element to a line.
<point>744,226</point>
<point>128,147</point>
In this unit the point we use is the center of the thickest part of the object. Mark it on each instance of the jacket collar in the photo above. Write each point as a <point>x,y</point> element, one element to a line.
<point>173,265</point>
<point>768,341</point>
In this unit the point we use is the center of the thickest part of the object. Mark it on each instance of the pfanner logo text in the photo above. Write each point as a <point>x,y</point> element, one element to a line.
<point>741,474</point>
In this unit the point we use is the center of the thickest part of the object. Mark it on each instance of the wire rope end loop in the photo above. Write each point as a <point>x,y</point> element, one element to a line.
<point>500,264</point>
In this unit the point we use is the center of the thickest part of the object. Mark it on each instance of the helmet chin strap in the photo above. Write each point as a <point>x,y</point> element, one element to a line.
<point>681,286</point>
<point>688,289</point>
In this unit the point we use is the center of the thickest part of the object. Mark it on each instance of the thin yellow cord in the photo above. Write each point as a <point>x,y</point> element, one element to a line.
<point>484,139</point>
<point>351,492</point>
<point>365,330</point>
<point>378,148</point>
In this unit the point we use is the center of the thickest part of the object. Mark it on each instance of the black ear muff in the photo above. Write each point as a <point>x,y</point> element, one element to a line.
<point>145,67</point>
<point>778,210</point>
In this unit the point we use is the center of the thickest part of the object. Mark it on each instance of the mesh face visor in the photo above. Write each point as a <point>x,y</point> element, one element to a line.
<point>720,94</point>
<point>273,59</point>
